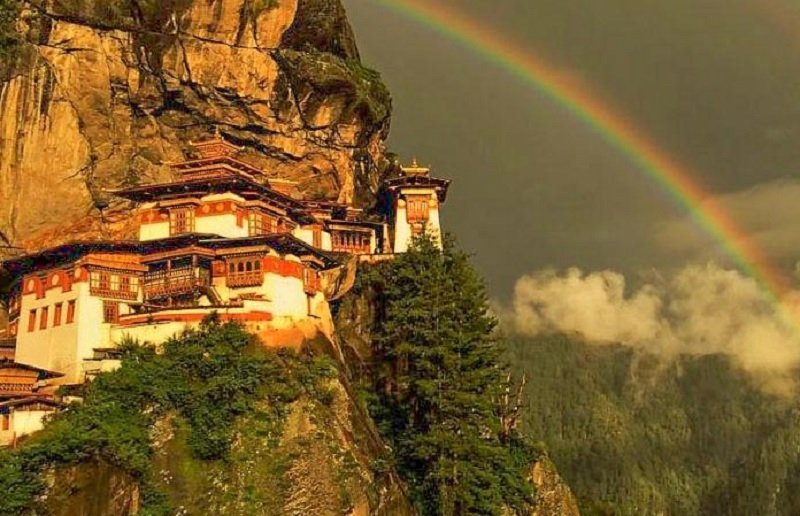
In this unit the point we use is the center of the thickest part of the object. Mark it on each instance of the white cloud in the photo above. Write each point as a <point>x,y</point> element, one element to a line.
<point>699,310</point>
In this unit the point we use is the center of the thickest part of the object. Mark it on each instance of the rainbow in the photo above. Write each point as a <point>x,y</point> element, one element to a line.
<point>671,176</point>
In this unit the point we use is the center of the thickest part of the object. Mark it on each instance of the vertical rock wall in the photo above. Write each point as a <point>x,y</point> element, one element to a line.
<point>104,94</point>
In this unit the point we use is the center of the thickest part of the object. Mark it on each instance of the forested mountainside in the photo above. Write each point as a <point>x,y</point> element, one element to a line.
<point>634,435</point>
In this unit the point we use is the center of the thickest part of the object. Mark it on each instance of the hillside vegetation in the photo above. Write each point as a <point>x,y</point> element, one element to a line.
<point>633,435</point>
<point>213,424</point>
<point>436,381</point>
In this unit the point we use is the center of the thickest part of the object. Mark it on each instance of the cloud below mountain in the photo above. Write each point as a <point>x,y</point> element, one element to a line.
<point>701,309</point>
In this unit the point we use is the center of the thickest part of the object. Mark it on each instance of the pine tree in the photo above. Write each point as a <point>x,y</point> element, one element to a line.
<point>438,379</point>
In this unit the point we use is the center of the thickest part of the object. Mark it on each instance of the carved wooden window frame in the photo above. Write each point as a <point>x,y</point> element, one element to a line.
<point>418,208</point>
<point>43,318</point>
<point>244,271</point>
<point>110,312</point>
<point>32,321</point>
<point>181,221</point>
<point>70,312</point>
<point>57,314</point>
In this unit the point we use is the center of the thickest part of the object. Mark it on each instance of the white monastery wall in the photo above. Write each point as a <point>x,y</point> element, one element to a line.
<point>402,230</point>
<point>52,348</point>
<point>153,231</point>
<point>287,296</point>
<point>307,235</point>
<point>403,235</point>
<point>92,331</point>
<point>434,227</point>
<point>224,225</point>
<point>22,423</point>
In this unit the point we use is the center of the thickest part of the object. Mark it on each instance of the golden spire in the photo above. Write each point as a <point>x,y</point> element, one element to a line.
<point>415,169</point>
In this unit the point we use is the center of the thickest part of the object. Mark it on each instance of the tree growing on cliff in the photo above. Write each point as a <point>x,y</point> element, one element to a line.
<point>437,378</point>
<point>9,38</point>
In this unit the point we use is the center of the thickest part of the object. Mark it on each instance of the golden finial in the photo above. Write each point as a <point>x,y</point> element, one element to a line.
<point>415,169</point>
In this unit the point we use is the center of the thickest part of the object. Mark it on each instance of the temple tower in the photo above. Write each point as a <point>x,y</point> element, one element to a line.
<point>416,197</point>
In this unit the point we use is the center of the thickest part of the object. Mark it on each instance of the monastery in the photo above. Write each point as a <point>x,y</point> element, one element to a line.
<point>222,238</point>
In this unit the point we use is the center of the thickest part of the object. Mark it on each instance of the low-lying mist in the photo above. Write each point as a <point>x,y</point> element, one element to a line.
<point>700,310</point>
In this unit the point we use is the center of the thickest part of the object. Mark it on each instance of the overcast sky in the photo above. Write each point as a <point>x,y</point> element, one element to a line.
<point>716,83</point>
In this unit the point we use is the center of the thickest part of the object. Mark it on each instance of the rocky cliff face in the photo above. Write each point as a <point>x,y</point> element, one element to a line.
<point>103,93</point>
<point>553,496</point>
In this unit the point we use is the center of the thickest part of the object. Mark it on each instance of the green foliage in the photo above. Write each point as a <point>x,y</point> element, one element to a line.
<point>321,26</point>
<point>147,14</point>
<point>325,73</point>
<point>9,38</point>
<point>436,383</point>
<point>208,377</point>
<point>634,435</point>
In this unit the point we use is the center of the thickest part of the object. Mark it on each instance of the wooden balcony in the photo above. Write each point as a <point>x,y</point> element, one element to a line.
<point>246,279</point>
<point>352,242</point>
<point>352,249</point>
<point>16,389</point>
<point>131,294</point>
<point>175,282</point>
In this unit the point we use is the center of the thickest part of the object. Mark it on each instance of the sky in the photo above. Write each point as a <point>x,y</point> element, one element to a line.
<point>715,83</point>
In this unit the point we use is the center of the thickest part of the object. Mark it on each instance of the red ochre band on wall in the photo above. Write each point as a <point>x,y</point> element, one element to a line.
<point>209,209</point>
<point>34,284</point>
<point>193,318</point>
<point>269,265</point>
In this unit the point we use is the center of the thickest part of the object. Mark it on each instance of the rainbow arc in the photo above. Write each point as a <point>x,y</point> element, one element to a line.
<point>674,178</point>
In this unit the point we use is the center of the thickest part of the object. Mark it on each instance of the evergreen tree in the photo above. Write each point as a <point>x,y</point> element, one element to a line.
<point>438,380</point>
<point>9,11</point>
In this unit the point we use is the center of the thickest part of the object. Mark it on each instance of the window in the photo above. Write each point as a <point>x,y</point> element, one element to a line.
<point>255,223</point>
<point>110,312</point>
<point>245,272</point>
<point>354,242</point>
<point>31,321</point>
<point>57,314</point>
<point>70,312</point>
<point>43,319</point>
<point>311,281</point>
<point>418,208</point>
<point>261,223</point>
<point>6,422</point>
<point>318,238</point>
<point>115,286</point>
<point>105,281</point>
<point>181,221</point>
